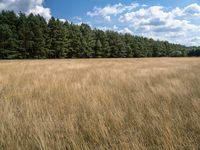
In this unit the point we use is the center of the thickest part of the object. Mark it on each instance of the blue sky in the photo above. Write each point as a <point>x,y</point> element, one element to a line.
<point>177,21</point>
<point>71,8</point>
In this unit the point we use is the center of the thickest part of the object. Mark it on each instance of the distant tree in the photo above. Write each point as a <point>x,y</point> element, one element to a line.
<point>30,36</point>
<point>75,42</point>
<point>194,52</point>
<point>58,39</point>
<point>8,35</point>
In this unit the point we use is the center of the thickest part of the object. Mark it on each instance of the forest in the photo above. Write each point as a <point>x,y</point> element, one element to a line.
<point>32,37</point>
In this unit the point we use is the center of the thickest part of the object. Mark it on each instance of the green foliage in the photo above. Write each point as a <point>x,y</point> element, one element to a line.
<point>23,37</point>
<point>57,39</point>
<point>194,52</point>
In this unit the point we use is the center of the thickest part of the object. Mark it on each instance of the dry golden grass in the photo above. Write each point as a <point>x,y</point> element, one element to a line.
<point>100,104</point>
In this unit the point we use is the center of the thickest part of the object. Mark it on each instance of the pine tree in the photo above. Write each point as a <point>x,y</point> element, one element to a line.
<point>58,38</point>
<point>87,40</point>
<point>8,35</point>
<point>23,36</point>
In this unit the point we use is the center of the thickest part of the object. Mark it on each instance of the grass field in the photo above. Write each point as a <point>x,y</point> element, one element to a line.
<point>100,104</point>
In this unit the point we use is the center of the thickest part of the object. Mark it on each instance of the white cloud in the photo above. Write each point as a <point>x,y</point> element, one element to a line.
<point>107,18</point>
<point>193,9</point>
<point>62,20</point>
<point>178,25</point>
<point>190,11</point>
<point>110,10</point>
<point>194,41</point>
<point>126,30</point>
<point>158,22</point>
<point>26,6</point>
<point>45,12</point>
<point>115,27</point>
<point>104,28</point>
<point>77,18</point>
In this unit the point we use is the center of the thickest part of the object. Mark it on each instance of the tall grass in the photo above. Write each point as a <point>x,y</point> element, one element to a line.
<point>100,104</point>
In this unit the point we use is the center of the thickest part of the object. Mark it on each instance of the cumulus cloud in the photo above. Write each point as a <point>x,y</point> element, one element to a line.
<point>45,12</point>
<point>178,25</point>
<point>126,30</point>
<point>160,23</point>
<point>110,10</point>
<point>194,41</point>
<point>116,29</point>
<point>193,9</point>
<point>26,6</point>
<point>62,20</point>
<point>77,18</point>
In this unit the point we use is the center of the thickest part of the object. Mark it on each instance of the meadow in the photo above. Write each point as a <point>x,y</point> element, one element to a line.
<point>139,104</point>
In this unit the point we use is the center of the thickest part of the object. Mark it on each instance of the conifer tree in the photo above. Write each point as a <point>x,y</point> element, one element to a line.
<point>31,36</point>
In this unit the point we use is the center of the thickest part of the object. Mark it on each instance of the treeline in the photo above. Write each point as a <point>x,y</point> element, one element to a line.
<point>194,51</point>
<point>24,37</point>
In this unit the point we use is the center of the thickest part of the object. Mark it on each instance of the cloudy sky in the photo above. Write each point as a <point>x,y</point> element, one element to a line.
<point>177,21</point>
